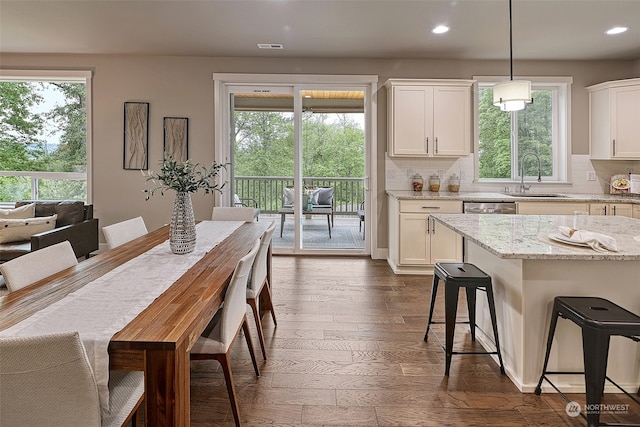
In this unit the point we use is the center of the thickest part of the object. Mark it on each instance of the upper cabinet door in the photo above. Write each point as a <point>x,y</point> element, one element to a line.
<point>625,121</point>
<point>411,117</point>
<point>451,121</point>
<point>614,120</point>
<point>429,118</point>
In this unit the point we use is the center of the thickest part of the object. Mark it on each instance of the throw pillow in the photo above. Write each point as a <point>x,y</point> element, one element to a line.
<point>16,230</point>
<point>323,196</point>
<point>289,197</point>
<point>22,212</point>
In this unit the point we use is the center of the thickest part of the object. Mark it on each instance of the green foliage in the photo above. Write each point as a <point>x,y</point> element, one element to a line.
<point>25,147</point>
<point>330,148</point>
<point>534,135</point>
<point>184,177</point>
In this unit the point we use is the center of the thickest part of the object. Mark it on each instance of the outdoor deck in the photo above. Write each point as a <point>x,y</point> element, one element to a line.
<point>345,233</point>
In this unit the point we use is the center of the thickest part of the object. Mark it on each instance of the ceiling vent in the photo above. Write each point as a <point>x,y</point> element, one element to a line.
<point>270,46</point>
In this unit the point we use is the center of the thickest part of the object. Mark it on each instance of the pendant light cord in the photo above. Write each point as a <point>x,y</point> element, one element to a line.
<point>510,43</point>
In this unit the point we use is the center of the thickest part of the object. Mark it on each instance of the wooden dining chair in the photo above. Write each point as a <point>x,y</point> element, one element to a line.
<point>218,337</point>
<point>227,213</point>
<point>125,231</point>
<point>259,283</point>
<point>47,380</point>
<point>34,266</point>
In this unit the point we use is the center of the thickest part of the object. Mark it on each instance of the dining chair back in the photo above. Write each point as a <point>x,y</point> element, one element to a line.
<point>125,231</point>
<point>47,380</point>
<point>259,284</point>
<point>227,213</point>
<point>34,266</point>
<point>216,340</point>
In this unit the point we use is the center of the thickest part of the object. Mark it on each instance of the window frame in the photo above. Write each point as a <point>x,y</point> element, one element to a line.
<point>79,76</point>
<point>561,128</point>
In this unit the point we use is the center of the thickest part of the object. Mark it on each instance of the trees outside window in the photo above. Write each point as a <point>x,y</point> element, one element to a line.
<point>504,137</point>
<point>43,138</point>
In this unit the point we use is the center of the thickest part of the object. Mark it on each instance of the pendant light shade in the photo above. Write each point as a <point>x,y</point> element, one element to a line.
<point>512,95</point>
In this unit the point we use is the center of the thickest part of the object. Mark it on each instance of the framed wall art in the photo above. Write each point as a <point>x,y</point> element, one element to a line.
<point>176,137</point>
<point>136,135</point>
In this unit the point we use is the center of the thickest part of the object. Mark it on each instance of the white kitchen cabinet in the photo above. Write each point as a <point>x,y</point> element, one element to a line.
<point>636,211</point>
<point>618,209</point>
<point>614,120</point>
<point>417,241</point>
<point>429,118</point>
<point>550,208</point>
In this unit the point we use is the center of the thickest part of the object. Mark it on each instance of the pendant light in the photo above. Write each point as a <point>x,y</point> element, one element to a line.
<point>512,95</point>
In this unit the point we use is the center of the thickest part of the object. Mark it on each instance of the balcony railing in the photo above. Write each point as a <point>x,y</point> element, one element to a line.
<point>348,193</point>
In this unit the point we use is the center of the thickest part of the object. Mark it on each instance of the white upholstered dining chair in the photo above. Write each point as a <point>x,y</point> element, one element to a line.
<point>227,213</point>
<point>216,340</point>
<point>258,282</point>
<point>47,380</point>
<point>29,268</point>
<point>122,232</point>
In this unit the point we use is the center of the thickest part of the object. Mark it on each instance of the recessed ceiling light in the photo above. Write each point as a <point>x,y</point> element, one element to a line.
<point>270,46</point>
<point>617,30</point>
<point>440,29</point>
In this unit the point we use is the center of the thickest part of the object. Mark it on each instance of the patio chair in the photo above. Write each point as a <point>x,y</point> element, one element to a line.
<point>247,202</point>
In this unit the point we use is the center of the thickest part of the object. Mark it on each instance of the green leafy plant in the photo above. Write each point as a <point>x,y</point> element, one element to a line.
<point>184,177</point>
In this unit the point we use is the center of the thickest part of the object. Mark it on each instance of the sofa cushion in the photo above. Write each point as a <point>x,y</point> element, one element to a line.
<point>16,230</point>
<point>289,197</point>
<point>24,211</point>
<point>323,196</point>
<point>68,211</point>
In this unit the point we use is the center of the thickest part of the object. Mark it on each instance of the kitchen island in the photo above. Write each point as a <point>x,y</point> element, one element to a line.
<point>529,269</point>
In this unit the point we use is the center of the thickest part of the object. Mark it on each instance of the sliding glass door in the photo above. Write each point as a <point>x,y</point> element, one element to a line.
<point>298,152</point>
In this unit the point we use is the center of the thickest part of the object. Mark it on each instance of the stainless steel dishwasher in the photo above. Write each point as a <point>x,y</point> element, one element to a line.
<point>489,207</point>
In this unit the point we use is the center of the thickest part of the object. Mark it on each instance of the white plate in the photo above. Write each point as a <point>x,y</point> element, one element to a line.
<point>558,237</point>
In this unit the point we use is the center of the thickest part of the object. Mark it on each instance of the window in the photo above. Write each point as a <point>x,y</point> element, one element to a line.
<point>503,138</point>
<point>44,135</point>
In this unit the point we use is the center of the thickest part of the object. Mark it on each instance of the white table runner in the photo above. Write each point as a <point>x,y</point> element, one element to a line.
<point>106,305</point>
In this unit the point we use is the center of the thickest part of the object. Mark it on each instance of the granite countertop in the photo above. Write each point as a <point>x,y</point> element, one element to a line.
<point>503,197</point>
<point>527,236</point>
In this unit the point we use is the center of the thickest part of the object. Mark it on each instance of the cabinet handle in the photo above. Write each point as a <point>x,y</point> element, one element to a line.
<point>604,210</point>
<point>434,227</point>
<point>428,225</point>
<point>430,207</point>
<point>426,143</point>
<point>614,210</point>
<point>614,148</point>
<point>436,149</point>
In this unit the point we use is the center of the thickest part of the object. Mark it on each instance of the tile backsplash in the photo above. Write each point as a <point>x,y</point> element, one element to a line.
<point>399,172</point>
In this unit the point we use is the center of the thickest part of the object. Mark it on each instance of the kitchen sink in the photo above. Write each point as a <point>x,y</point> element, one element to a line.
<point>534,194</point>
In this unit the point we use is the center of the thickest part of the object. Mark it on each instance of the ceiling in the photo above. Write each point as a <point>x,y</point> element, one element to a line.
<point>381,29</point>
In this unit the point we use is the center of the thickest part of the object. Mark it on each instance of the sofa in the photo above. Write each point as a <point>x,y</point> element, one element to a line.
<point>33,225</point>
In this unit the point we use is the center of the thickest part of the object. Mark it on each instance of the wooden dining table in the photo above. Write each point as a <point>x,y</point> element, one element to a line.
<point>159,339</point>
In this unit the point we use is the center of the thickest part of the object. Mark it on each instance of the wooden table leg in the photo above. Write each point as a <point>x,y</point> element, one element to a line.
<point>167,388</point>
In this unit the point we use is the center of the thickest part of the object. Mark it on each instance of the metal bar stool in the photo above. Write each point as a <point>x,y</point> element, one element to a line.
<point>456,276</point>
<point>599,319</point>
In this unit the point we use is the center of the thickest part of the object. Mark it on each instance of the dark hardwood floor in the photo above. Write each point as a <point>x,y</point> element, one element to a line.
<point>349,351</point>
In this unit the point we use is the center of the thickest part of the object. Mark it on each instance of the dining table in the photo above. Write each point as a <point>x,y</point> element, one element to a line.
<point>159,338</point>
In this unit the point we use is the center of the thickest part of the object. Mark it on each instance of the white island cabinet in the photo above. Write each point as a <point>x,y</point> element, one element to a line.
<point>528,270</point>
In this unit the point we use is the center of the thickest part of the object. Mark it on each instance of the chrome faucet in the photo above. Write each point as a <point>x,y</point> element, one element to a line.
<point>523,187</point>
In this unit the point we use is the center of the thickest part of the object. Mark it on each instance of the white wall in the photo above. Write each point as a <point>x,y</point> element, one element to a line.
<point>183,87</point>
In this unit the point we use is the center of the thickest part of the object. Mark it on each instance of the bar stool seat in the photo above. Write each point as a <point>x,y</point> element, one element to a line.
<point>599,319</point>
<point>455,276</point>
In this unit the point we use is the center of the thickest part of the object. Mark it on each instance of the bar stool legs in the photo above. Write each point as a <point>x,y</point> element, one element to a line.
<point>456,276</point>
<point>599,320</point>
